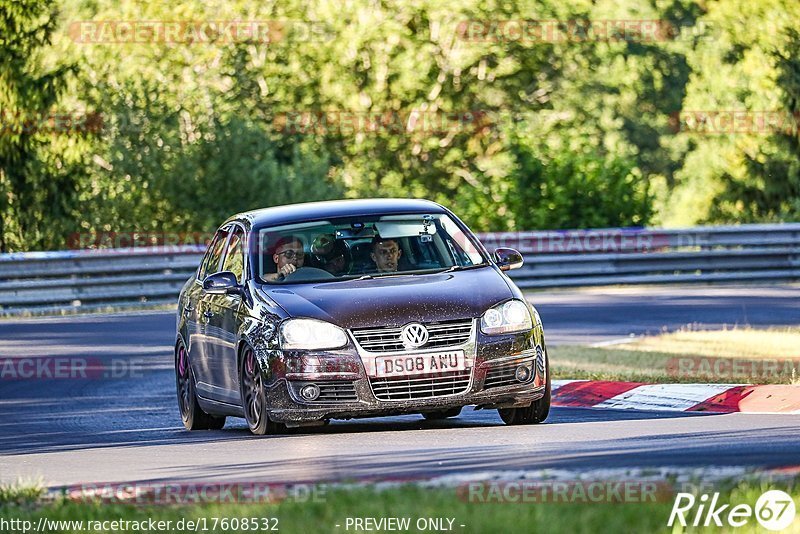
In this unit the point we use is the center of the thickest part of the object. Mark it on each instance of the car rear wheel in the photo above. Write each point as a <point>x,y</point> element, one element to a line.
<point>194,418</point>
<point>254,398</point>
<point>537,412</point>
<point>442,414</point>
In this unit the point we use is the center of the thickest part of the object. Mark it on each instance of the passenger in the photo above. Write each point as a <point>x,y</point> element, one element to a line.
<point>330,254</point>
<point>288,257</point>
<point>386,254</point>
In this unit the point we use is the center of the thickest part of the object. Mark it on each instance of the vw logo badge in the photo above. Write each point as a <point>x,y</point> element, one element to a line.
<point>414,335</point>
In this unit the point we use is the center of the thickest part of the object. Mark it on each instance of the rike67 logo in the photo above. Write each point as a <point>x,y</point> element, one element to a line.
<point>774,510</point>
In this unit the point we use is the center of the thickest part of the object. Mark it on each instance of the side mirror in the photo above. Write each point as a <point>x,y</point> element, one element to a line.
<point>508,258</point>
<point>222,283</point>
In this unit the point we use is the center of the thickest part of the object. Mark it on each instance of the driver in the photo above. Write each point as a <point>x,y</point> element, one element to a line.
<point>288,257</point>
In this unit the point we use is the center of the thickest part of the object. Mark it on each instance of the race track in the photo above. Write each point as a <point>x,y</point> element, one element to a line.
<point>128,428</point>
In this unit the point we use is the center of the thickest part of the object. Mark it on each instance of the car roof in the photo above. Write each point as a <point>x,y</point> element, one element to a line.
<point>310,211</point>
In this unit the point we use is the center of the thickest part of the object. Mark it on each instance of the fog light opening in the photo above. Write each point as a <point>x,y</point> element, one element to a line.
<point>310,392</point>
<point>522,373</point>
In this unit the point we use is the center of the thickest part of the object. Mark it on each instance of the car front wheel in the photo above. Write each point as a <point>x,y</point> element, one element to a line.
<point>254,398</point>
<point>194,418</point>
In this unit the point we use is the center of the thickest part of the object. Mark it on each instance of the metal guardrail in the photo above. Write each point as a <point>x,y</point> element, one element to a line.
<point>746,253</point>
<point>43,282</point>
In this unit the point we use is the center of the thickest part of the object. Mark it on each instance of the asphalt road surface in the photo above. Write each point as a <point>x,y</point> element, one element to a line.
<point>126,427</point>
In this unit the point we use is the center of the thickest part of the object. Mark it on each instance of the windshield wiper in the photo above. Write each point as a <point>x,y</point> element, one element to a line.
<point>380,275</point>
<point>362,277</point>
<point>462,267</point>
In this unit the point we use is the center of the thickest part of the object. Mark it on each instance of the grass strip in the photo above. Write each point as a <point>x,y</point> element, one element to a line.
<point>324,512</point>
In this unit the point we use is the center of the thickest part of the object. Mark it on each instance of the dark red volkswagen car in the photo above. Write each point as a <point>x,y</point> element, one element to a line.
<point>333,310</point>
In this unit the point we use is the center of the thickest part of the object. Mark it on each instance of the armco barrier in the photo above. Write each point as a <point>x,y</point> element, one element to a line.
<point>86,279</point>
<point>746,253</point>
<point>83,279</point>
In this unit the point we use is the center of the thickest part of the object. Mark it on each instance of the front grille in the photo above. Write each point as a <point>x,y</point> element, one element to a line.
<point>333,391</point>
<point>394,389</point>
<point>441,334</point>
<point>503,375</point>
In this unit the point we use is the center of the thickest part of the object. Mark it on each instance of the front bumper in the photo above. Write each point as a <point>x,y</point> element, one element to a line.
<point>489,383</point>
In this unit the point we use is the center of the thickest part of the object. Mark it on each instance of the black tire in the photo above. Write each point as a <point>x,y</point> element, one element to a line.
<point>537,412</point>
<point>254,397</point>
<point>442,414</point>
<point>194,418</point>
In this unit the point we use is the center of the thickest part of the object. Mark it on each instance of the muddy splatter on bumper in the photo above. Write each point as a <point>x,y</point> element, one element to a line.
<point>348,387</point>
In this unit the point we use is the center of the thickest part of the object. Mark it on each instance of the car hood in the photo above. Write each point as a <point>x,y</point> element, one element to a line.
<point>394,300</point>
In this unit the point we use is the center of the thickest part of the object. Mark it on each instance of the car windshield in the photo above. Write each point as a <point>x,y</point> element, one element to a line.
<point>364,247</point>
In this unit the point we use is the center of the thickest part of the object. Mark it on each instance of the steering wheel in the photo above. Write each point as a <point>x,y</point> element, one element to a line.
<point>307,273</point>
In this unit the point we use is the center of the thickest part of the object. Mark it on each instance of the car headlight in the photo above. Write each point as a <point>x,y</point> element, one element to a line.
<point>311,334</point>
<point>511,316</point>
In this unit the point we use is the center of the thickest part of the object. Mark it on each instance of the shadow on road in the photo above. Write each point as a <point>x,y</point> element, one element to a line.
<point>693,449</point>
<point>97,418</point>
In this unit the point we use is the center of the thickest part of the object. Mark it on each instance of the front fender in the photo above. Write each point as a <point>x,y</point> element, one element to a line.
<point>261,334</point>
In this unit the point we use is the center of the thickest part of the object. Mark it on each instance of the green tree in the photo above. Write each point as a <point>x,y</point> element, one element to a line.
<point>37,182</point>
<point>576,188</point>
<point>770,189</point>
<point>734,68</point>
<point>542,133</point>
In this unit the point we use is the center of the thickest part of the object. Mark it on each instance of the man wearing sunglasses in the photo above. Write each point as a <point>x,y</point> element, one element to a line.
<point>288,257</point>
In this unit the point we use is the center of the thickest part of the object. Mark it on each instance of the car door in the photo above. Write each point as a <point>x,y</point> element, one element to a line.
<point>202,336</point>
<point>221,312</point>
<point>227,312</point>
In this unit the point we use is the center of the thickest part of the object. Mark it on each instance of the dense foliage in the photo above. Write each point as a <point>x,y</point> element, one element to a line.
<point>421,98</point>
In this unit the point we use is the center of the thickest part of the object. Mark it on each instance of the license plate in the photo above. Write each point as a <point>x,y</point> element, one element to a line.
<point>420,364</point>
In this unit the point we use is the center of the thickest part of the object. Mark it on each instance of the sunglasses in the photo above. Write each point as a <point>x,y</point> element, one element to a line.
<point>292,254</point>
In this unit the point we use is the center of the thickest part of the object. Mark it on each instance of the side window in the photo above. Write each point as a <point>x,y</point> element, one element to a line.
<point>214,254</point>
<point>234,256</point>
